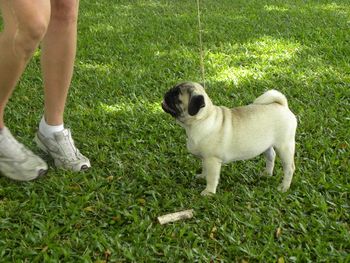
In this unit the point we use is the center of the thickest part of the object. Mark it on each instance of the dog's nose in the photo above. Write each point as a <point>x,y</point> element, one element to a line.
<point>163,105</point>
<point>167,109</point>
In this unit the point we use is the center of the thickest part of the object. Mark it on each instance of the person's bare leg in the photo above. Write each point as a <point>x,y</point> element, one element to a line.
<point>25,24</point>
<point>58,55</point>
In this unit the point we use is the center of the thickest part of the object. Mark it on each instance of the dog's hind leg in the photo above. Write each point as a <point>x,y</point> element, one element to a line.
<point>286,153</point>
<point>211,172</point>
<point>270,156</point>
<point>202,175</point>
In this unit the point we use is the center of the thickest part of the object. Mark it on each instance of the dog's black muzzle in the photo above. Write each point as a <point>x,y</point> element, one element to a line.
<point>169,110</point>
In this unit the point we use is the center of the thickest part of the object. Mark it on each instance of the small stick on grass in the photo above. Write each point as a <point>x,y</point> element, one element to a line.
<point>186,214</point>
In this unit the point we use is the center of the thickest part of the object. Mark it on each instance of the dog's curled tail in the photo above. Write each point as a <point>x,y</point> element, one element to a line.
<point>272,96</point>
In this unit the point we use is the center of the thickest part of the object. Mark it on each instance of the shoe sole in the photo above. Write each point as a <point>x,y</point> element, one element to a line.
<point>41,173</point>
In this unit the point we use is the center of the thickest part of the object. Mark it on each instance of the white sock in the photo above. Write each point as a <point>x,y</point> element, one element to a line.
<point>49,130</point>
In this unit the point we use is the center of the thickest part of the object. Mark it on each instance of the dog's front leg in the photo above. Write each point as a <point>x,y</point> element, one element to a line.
<point>211,172</point>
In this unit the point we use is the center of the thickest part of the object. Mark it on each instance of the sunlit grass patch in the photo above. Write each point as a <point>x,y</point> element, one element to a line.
<point>95,67</point>
<point>275,8</point>
<point>252,60</point>
<point>131,107</point>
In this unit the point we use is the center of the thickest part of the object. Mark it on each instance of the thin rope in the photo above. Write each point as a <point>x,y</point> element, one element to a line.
<point>201,52</point>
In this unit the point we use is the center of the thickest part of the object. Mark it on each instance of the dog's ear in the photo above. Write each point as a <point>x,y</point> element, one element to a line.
<point>196,103</point>
<point>202,84</point>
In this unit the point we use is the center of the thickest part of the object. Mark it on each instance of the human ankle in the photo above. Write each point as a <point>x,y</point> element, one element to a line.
<point>49,130</point>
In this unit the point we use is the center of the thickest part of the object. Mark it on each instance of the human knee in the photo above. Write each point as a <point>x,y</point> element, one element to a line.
<point>28,36</point>
<point>35,30</point>
<point>64,11</point>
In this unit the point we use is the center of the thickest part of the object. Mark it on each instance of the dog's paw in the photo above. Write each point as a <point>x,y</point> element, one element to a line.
<point>265,174</point>
<point>205,192</point>
<point>200,176</point>
<point>283,188</point>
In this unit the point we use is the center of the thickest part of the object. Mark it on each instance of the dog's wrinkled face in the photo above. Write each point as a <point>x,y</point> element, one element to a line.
<point>184,100</point>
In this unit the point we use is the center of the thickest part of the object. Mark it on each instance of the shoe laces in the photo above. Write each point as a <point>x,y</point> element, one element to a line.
<point>68,147</point>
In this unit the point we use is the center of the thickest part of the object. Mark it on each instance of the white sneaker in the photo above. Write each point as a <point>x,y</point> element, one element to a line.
<point>63,151</point>
<point>16,161</point>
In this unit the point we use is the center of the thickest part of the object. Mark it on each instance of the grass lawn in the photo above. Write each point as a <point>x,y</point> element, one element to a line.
<point>129,54</point>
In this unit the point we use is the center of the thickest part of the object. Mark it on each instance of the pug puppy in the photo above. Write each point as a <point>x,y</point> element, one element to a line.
<point>218,135</point>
